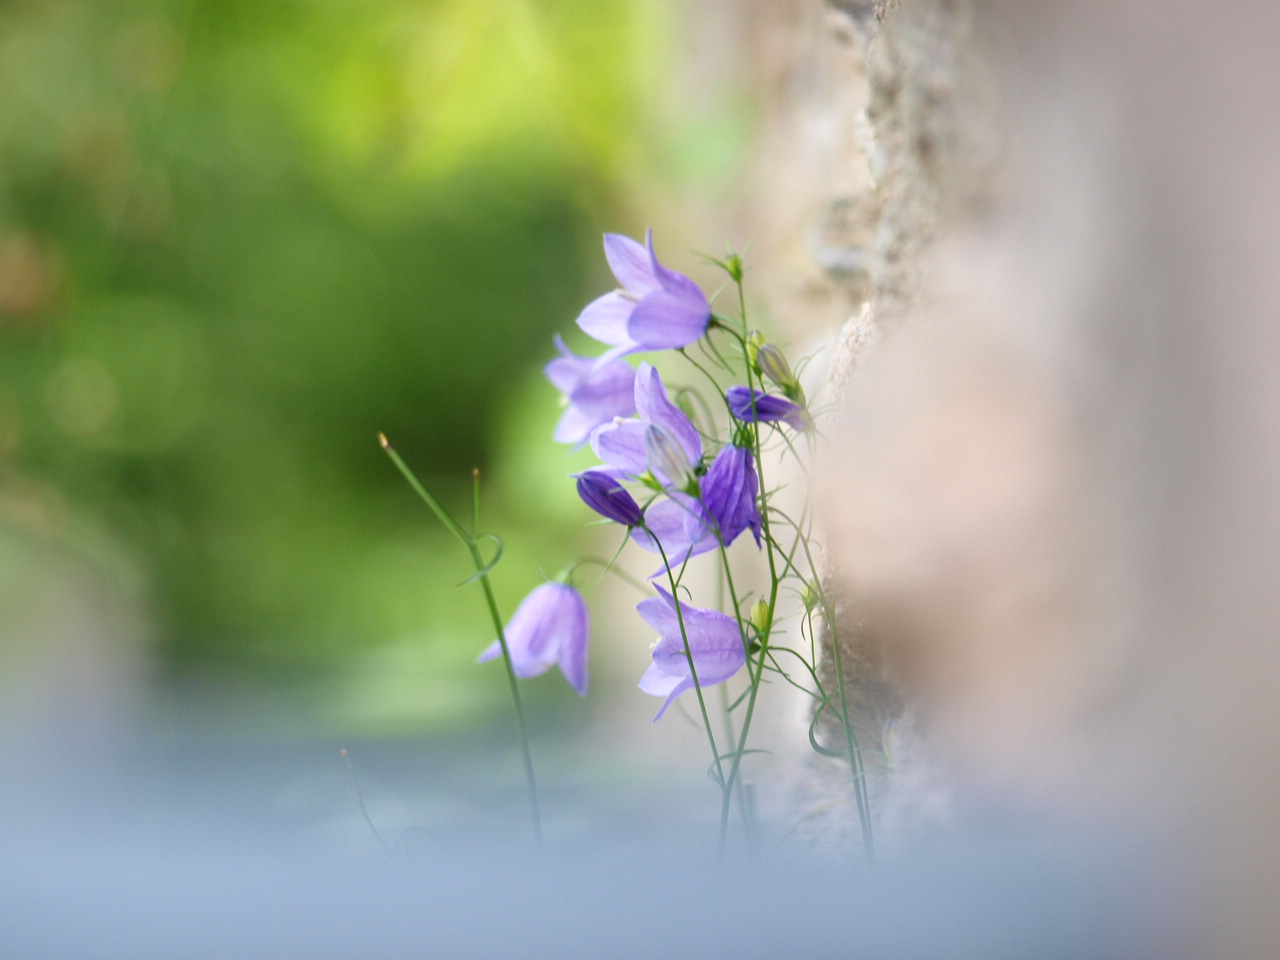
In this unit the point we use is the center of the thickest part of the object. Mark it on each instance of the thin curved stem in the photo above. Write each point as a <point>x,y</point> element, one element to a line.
<point>472,543</point>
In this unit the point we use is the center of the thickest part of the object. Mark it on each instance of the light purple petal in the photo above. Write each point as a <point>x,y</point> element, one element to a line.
<point>716,662</point>
<point>566,370</point>
<point>660,614</point>
<point>657,682</point>
<point>714,641</point>
<point>597,392</point>
<point>631,263</point>
<point>671,281</point>
<point>605,318</point>
<point>575,427</point>
<point>661,684</point>
<point>550,618</point>
<point>607,390</point>
<point>620,444</point>
<point>653,405</point>
<point>667,521</point>
<point>573,643</point>
<point>668,321</point>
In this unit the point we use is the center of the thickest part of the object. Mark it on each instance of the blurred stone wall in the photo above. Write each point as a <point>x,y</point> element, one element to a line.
<point>1049,232</point>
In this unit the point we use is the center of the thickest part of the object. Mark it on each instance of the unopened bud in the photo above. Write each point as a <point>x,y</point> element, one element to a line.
<point>760,615</point>
<point>774,365</point>
<point>667,458</point>
<point>733,266</point>
<point>755,340</point>
<point>810,597</point>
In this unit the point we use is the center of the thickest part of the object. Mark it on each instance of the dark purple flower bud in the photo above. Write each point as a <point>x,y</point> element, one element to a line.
<point>656,309</point>
<point>715,643</point>
<point>607,497</point>
<point>729,492</point>
<point>549,627</point>
<point>767,407</point>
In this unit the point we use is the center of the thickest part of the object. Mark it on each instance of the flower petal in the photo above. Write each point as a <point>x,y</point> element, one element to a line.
<point>620,444</point>
<point>661,684</point>
<point>748,404</point>
<point>575,427</point>
<point>631,263</point>
<point>716,663</point>
<point>607,390</point>
<point>534,629</point>
<point>566,370</point>
<point>606,496</point>
<point>666,521</point>
<point>653,405</point>
<point>715,640</point>
<point>729,492</point>
<point>605,318</point>
<point>668,321</point>
<point>573,642</point>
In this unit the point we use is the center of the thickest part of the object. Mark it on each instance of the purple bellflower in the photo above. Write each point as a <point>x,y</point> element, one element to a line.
<point>728,502</point>
<point>604,494</point>
<point>656,309</point>
<point>667,523</point>
<point>596,392</point>
<point>621,444</point>
<point>715,643</point>
<point>767,407</point>
<point>549,627</point>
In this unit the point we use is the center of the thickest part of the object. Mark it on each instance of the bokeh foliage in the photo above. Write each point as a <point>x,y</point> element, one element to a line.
<point>237,239</point>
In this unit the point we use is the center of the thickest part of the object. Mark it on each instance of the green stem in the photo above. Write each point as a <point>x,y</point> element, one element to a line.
<point>773,577</point>
<point>851,743</point>
<point>471,542</point>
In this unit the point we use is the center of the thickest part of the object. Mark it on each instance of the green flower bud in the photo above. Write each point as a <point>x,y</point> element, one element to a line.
<point>755,340</point>
<point>809,597</point>
<point>733,266</point>
<point>774,365</point>
<point>760,615</point>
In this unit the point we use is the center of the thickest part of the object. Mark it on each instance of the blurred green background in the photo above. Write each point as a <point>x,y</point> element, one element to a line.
<point>240,237</point>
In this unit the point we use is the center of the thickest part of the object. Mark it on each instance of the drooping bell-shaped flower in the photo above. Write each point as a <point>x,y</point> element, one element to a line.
<point>656,309</point>
<point>604,494</point>
<point>549,627</point>
<point>596,392</point>
<point>621,444</point>
<point>767,407</point>
<point>715,643</point>
<point>728,498</point>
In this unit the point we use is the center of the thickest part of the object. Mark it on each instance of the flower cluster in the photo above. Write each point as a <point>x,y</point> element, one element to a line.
<point>681,475</point>
<point>696,500</point>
